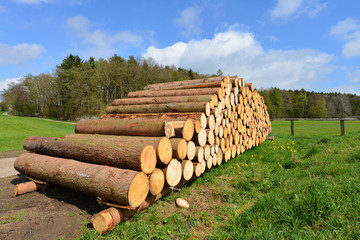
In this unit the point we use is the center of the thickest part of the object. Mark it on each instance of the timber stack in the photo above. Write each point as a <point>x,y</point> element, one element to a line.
<point>147,144</point>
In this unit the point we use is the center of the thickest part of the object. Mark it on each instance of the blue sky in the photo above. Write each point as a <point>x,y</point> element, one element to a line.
<point>290,44</point>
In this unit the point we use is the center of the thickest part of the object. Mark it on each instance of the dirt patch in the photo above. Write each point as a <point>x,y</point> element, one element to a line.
<point>53,213</point>
<point>11,154</point>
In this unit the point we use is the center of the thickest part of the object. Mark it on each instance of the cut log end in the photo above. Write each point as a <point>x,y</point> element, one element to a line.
<point>173,173</point>
<point>106,220</point>
<point>138,189</point>
<point>191,150</point>
<point>165,150</point>
<point>188,130</point>
<point>187,169</point>
<point>148,159</point>
<point>156,181</point>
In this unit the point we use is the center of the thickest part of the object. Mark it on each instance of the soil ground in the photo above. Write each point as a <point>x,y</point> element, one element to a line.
<point>53,213</point>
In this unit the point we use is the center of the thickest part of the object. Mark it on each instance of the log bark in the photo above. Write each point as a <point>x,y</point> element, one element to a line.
<point>192,82</point>
<point>123,186</point>
<point>128,127</point>
<point>169,116</point>
<point>137,153</point>
<point>161,108</point>
<point>159,100</point>
<point>181,92</point>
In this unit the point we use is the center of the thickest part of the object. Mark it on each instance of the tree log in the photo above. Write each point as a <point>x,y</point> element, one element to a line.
<point>161,108</point>
<point>179,147</point>
<point>156,181</point>
<point>159,100</point>
<point>135,153</point>
<point>187,169</point>
<point>123,186</point>
<point>168,93</point>
<point>27,187</point>
<point>192,82</point>
<point>173,173</point>
<point>180,129</point>
<point>170,116</point>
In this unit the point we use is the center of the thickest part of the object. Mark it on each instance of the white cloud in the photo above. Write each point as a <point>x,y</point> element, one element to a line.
<point>190,21</point>
<point>349,31</point>
<point>34,2</point>
<point>19,53</point>
<point>239,53</point>
<point>352,89</point>
<point>272,38</point>
<point>285,8</point>
<point>4,83</point>
<point>296,8</point>
<point>354,76</point>
<point>99,43</point>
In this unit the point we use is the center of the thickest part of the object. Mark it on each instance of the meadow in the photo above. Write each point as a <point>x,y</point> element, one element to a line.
<point>14,130</point>
<point>305,186</point>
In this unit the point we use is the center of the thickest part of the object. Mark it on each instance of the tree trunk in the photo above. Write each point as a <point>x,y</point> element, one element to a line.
<point>165,85</point>
<point>173,173</point>
<point>160,108</point>
<point>27,187</point>
<point>135,153</point>
<point>181,92</point>
<point>123,186</point>
<point>158,100</point>
<point>184,129</point>
<point>156,181</point>
<point>152,127</point>
<point>169,116</point>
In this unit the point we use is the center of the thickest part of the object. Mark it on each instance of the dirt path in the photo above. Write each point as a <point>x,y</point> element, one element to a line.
<point>7,167</point>
<point>54,213</point>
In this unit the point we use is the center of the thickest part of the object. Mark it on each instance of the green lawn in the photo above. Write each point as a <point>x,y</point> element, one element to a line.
<point>301,187</point>
<point>14,130</point>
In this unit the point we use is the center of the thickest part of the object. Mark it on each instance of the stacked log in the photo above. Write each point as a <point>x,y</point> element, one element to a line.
<point>167,134</point>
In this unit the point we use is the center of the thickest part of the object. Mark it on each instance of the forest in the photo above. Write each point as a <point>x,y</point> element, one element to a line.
<point>80,88</point>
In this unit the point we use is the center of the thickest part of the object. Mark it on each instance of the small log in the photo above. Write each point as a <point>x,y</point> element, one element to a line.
<point>27,187</point>
<point>191,150</point>
<point>197,169</point>
<point>179,147</point>
<point>173,173</point>
<point>180,129</point>
<point>123,186</point>
<point>106,220</point>
<point>200,138</point>
<point>156,181</point>
<point>187,169</point>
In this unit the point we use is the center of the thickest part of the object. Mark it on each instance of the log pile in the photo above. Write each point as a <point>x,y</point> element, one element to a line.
<point>150,142</point>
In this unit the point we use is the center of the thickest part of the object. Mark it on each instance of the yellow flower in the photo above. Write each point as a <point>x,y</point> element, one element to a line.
<point>294,150</point>
<point>169,232</point>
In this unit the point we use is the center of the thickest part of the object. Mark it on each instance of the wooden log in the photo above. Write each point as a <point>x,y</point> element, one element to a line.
<point>173,173</point>
<point>183,83</point>
<point>179,147</point>
<point>159,100</point>
<point>200,138</point>
<point>187,169</point>
<point>199,154</point>
<point>191,150</point>
<point>156,181</point>
<point>169,116</point>
<point>207,152</point>
<point>197,169</point>
<point>180,92</point>
<point>193,86</point>
<point>135,153</point>
<point>219,157</point>
<point>123,186</point>
<point>106,220</point>
<point>160,108</point>
<point>27,187</point>
<point>209,163</point>
<point>129,127</point>
<point>184,129</point>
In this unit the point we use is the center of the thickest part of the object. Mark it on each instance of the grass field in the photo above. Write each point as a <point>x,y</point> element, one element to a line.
<point>301,187</point>
<point>14,130</point>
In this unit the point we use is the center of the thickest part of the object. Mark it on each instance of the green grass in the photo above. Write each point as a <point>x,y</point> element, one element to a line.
<point>301,187</point>
<point>14,130</point>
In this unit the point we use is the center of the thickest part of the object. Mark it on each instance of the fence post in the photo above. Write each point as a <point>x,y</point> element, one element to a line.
<point>342,126</point>
<point>292,127</point>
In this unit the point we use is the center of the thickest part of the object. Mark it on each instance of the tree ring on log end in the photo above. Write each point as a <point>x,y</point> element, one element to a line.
<point>165,150</point>
<point>188,130</point>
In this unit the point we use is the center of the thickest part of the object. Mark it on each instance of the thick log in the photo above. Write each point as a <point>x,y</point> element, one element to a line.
<point>123,186</point>
<point>200,138</point>
<point>192,82</point>
<point>187,169</point>
<point>169,116</point>
<point>129,127</point>
<point>159,100</point>
<point>27,187</point>
<point>137,153</point>
<point>181,92</point>
<point>160,108</point>
<point>191,150</point>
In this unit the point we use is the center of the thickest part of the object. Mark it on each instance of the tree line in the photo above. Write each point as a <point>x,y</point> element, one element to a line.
<point>83,88</point>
